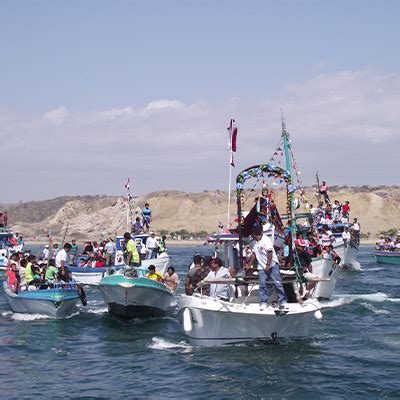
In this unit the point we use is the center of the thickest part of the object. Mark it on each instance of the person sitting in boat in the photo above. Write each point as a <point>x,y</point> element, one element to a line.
<point>12,279</point>
<point>171,279</point>
<point>313,248</point>
<point>268,267</point>
<point>61,263</point>
<point>99,262</point>
<point>51,271</point>
<point>28,270</point>
<point>146,214</point>
<point>218,290</point>
<point>153,274</point>
<point>88,248</point>
<point>131,253</point>
<point>196,273</point>
<point>137,227</point>
<point>327,237</point>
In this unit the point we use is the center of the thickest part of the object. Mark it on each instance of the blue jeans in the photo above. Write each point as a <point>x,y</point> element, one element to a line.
<point>274,276</point>
<point>152,253</point>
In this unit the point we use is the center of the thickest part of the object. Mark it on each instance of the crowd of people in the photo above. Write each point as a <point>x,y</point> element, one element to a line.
<point>387,243</point>
<point>27,272</point>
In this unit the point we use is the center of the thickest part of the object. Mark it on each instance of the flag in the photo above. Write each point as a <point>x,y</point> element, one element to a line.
<point>232,133</point>
<point>127,187</point>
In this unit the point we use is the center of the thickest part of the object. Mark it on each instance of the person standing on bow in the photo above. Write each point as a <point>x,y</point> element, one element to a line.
<point>146,213</point>
<point>323,190</point>
<point>268,268</point>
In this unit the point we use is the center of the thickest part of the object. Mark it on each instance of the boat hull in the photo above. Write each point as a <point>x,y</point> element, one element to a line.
<point>350,254</point>
<point>210,322</point>
<point>327,269</point>
<point>93,276</point>
<point>54,303</point>
<point>387,257</point>
<point>135,297</point>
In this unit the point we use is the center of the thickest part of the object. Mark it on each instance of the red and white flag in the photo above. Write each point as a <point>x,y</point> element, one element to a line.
<point>232,133</point>
<point>127,186</point>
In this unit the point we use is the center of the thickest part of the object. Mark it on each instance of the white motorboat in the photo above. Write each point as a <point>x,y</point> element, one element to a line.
<point>212,322</point>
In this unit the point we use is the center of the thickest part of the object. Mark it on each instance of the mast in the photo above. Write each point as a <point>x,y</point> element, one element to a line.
<point>285,138</point>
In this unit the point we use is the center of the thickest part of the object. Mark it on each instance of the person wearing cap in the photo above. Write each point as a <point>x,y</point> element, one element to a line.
<point>151,246</point>
<point>268,268</point>
<point>132,255</point>
<point>218,290</point>
<point>153,274</point>
<point>46,253</point>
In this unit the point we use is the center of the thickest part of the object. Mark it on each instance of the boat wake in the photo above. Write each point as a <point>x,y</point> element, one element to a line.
<point>162,344</point>
<point>28,317</point>
<point>97,311</point>
<point>376,311</point>
<point>377,297</point>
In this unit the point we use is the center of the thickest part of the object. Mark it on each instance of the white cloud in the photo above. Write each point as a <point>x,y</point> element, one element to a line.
<point>344,124</point>
<point>57,116</point>
<point>165,104</point>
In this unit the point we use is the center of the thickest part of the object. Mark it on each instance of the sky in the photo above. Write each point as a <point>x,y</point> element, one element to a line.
<point>93,92</point>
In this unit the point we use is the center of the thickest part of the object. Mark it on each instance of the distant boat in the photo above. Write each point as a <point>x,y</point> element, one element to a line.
<point>387,257</point>
<point>57,302</point>
<point>93,276</point>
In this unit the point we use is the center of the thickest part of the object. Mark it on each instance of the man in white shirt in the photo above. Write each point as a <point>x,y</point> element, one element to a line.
<point>151,246</point>
<point>218,290</point>
<point>110,250</point>
<point>61,263</point>
<point>356,227</point>
<point>346,237</point>
<point>268,268</point>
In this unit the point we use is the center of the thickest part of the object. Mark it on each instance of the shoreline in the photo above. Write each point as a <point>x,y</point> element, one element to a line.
<point>178,243</point>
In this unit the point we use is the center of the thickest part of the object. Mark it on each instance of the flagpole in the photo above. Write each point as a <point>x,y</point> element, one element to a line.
<point>229,188</point>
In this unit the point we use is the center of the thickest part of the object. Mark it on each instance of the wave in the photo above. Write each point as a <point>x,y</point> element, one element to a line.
<point>376,311</point>
<point>163,344</point>
<point>28,317</point>
<point>96,310</point>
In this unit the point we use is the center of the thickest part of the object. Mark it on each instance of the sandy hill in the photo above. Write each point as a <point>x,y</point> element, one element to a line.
<point>92,216</point>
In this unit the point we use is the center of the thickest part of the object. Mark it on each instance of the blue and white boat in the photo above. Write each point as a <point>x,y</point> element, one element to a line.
<point>92,276</point>
<point>57,302</point>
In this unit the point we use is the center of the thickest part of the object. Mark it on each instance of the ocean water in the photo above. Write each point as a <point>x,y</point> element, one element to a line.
<point>353,352</point>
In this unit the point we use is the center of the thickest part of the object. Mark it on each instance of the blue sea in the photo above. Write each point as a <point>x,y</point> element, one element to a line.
<point>353,352</point>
